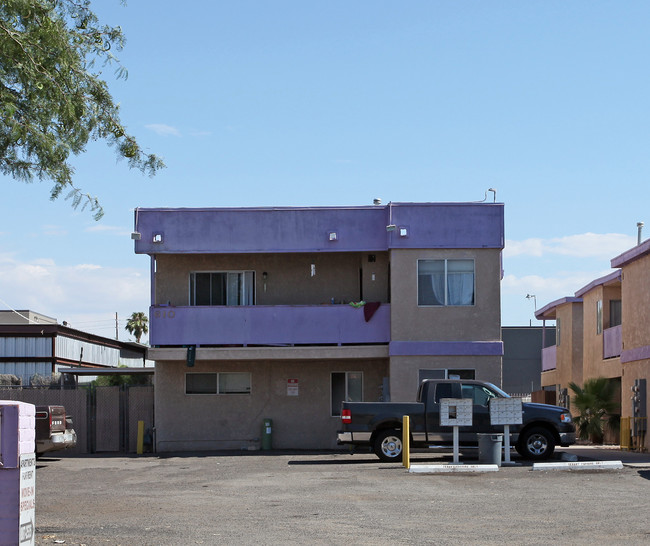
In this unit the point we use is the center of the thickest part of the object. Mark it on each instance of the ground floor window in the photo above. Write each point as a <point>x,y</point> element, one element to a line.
<point>218,383</point>
<point>444,373</point>
<point>346,386</point>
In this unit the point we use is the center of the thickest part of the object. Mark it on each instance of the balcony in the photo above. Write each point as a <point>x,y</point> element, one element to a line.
<point>612,342</point>
<point>549,358</point>
<point>267,325</point>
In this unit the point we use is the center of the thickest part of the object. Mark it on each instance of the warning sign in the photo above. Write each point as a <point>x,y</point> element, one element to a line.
<point>27,498</point>
<point>292,387</point>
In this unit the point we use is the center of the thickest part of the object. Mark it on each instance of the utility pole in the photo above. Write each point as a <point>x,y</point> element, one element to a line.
<point>116,334</point>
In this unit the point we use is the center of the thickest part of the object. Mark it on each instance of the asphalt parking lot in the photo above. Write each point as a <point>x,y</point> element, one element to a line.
<point>335,498</point>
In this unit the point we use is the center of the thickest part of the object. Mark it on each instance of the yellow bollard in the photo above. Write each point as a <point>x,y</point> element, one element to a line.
<point>140,437</point>
<point>406,442</point>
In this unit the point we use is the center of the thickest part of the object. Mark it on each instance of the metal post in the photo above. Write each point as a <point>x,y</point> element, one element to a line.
<point>506,444</point>
<point>406,442</point>
<point>456,448</point>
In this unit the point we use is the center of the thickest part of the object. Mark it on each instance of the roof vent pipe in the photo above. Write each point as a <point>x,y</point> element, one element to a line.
<point>639,226</point>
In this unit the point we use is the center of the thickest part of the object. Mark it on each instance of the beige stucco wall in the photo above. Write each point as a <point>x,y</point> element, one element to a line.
<point>636,333</point>
<point>636,303</point>
<point>404,371</point>
<point>289,280</point>
<point>570,350</point>
<point>632,371</point>
<point>479,322</point>
<point>210,422</point>
<point>594,365</point>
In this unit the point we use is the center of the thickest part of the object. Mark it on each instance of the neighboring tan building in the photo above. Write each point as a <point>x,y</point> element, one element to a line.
<point>258,313</point>
<point>603,332</point>
<point>635,354</point>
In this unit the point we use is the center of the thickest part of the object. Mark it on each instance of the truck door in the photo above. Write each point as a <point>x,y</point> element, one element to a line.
<point>435,433</point>
<point>481,396</point>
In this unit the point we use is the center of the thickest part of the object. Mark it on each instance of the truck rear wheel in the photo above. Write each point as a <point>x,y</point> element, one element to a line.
<point>388,445</point>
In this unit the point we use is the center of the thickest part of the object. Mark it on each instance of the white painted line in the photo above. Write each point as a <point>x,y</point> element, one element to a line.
<point>435,468</point>
<point>582,465</point>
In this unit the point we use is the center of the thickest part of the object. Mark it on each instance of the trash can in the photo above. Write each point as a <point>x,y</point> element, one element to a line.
<point>267,434</point>
<point>489,448</point>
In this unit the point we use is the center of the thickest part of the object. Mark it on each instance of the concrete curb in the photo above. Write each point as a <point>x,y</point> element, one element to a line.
<point>452,468</point>
<point>583,465</point>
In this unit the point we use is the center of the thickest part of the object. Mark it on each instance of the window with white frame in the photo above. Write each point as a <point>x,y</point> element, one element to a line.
<point>346,386</point>
<point>222,288</point>
<point>218,383</point>
<point>446,282</point>
<point>599,317</point>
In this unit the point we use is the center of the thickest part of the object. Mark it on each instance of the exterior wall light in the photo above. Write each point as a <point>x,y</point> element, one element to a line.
<point>333,236</point>
<point>403,231</point>
<point>136,236</point>
<point>158,238</point>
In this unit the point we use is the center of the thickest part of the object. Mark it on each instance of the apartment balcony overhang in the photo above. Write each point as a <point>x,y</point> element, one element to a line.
<point>548,311</point>
<point>631,255</point>
<point>613,278</point>
<point>278,325</point>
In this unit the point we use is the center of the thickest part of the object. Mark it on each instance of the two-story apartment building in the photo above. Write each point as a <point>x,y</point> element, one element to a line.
<point>602,331</point>
<point>282,313</point>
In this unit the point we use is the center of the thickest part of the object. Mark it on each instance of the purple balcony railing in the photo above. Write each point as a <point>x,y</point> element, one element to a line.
<point>549,358</point>
<point>612,342</point>
<point>267,325</point>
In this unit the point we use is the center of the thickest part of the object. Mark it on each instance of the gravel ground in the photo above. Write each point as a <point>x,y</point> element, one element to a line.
<point>334,498</point>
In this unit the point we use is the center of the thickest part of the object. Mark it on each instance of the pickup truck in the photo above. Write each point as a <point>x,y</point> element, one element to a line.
<point>378,425</point>
<point>53,429</point>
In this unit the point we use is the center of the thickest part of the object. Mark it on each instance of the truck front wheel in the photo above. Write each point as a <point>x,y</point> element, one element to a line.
<point>388,445</point>
<point>536,444</point>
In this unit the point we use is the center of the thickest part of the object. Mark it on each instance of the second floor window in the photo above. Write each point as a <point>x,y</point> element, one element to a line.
<point>445,282</point>
<point>222,288</point>
<point>615,315</point>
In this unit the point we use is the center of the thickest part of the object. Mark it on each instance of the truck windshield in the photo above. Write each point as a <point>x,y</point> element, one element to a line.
<point>499,393</point>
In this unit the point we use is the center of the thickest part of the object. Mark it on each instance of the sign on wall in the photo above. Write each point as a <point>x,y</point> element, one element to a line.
<point>292,387</point>
<point>27,501</point>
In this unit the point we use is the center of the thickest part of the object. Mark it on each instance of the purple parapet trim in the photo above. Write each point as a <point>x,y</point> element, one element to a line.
<point>277,230</point>
<point>267,325</point>
<point>602,281</point>
<point>548,311</point>
<point>630,255</point>
<point>632,355</point>
<point>446,348</point>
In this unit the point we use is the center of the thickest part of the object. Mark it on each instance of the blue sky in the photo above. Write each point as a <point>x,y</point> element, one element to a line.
<point>256,103</point>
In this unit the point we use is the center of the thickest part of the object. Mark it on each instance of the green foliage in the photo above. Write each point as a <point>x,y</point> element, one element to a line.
<point>137,325</point>
<point>597,407</point>
<point>52,98</point>
<point>119,380</point>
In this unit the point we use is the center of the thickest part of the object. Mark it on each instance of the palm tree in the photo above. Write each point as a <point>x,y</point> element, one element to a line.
<point>595,402</point>
<point>137,324</point>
